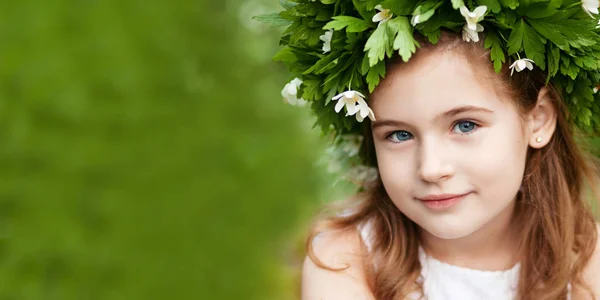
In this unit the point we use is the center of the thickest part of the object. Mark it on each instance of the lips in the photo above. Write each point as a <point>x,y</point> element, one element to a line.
<point>441,197</point>
<point>442,201</point>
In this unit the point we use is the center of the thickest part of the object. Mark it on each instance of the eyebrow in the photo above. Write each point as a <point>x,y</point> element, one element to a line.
<point>448,114</point>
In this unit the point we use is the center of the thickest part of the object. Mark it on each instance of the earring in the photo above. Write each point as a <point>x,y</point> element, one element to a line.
<point>538,139</point>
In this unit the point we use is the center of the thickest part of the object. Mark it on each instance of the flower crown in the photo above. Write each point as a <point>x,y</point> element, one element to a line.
<point>337,49</point>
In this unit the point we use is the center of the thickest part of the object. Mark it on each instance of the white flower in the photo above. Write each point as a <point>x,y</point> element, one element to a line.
<point>326,38</point>
<point>383,15</point>
<point>290,92</point>
<point>590,6</point>
<point>416,19</point>
<point>363,110</point>
<point>473,17</point>
<point>521,64</point>
<point>348,99</point>
<point>471,35</point>
<point>355,104</point>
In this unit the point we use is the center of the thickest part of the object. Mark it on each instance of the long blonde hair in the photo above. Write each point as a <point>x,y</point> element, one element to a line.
<point>559,231</point>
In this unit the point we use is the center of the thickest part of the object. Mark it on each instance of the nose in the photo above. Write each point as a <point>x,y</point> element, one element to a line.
<point>434,165</point>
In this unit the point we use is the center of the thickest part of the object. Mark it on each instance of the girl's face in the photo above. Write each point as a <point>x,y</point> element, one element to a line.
<point>443,131</point>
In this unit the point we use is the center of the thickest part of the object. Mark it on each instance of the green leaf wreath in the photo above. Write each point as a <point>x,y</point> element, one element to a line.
<point>336,49</point>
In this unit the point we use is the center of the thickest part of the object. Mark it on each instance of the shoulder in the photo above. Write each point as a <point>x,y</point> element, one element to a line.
<point>336,249</point>
<point>591,273</point>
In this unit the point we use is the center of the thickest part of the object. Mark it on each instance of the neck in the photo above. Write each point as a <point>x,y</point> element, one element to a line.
<point>490,248</point>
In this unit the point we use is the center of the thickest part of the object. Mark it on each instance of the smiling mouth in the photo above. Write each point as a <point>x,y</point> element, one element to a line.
<point>441,202</point>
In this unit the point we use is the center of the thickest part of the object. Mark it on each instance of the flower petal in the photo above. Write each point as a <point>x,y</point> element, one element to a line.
<point>371,115</point>
<point>359,118</point>
<point>465,36</point>
<point>338,96</point>
<point>464,11</point>
<point>301,102</point>
<point>377,17</point>
<point>415,20</point>
<point>529,66</point>
<point>364,111</point>
<point>378,7</point>
<point>480,11</point>
<point>351,108</point>
<point>338,106</point>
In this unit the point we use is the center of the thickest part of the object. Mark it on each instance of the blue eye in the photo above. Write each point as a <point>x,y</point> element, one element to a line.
<point>400,136</point>
<point>464,127</point>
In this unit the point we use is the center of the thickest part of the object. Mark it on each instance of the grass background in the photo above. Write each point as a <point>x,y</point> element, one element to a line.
<point>145,153</point>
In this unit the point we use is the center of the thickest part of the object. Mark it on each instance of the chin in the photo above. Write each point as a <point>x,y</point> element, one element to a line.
<point>450,230</point>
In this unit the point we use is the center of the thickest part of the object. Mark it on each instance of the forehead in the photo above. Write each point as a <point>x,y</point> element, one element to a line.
<point>432,84</point>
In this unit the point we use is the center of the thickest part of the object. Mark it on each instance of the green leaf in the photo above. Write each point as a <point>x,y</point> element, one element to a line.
<point>542,9</point>
<point>433,36</point>
<point>328,1</point>
<point>353,24</point>
<point>400,7</point>
<point>506,19</point>
<point>493,5</point>
<point>456,4</point>
<point>273,19</point>
<point>512,4</point>
<point>377,44</point>
<point>554,36</point>
<point>553,60</point>
<point>285,55</point>
<point>515,40</point>
<point>364,66</point>
<point>375,74</point>
<point>426,9</point>
<point>326,63</point>
<point>404,41</point>
<point>534,46</point>
<point>569,69</point>
<point>287,4</point>
<point>361,7</point>
<point>324,15</point>
<point>311,90</point>
<point>567,33</point>
<point>496,53</point>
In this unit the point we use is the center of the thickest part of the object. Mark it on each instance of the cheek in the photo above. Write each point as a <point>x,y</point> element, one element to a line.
<point>498,166</point>
<point>397,171</point>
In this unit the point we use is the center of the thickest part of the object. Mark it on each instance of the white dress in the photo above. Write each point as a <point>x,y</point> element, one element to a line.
<point>442,281</point>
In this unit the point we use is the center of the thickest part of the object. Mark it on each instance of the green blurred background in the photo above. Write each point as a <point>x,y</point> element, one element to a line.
<point>146,153</point>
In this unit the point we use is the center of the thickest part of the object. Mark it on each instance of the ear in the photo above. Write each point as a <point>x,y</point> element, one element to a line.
<point>542,120</point>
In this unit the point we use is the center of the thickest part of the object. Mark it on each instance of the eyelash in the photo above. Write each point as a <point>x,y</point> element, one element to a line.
<point>476,127</point>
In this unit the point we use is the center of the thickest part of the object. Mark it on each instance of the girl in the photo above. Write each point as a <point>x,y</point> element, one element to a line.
<point>480,190</point>
<point>480,195</point>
